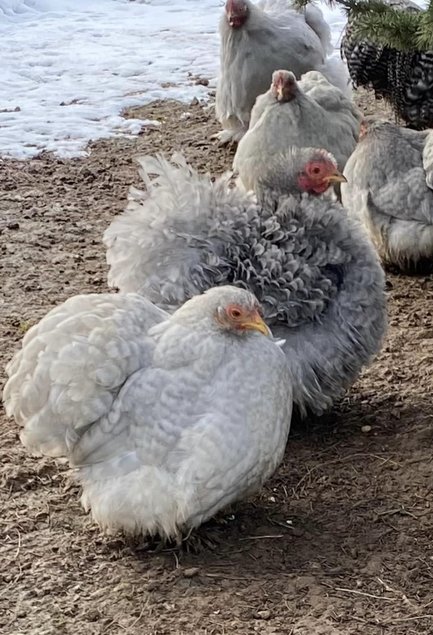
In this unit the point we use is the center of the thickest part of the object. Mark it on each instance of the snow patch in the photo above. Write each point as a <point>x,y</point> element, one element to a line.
<point>69,67</point>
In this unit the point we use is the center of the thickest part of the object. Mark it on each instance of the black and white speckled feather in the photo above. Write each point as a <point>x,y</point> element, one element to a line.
<point>403,78</point>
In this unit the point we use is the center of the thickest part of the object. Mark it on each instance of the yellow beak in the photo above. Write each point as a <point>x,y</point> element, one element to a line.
<point>337,177</point>
<point>257,324</point>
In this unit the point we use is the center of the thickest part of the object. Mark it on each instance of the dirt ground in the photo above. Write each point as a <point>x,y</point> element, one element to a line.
<point>338,543</point>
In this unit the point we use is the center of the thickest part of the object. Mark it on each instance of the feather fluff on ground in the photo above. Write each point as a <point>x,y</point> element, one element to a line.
<point>312,267</point>
<point>274,35</point>
<point>315,113</point>
<point>389,188</point>
<point>167,419</point>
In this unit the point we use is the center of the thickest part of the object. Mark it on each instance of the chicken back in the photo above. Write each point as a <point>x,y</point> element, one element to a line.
<point>390,189</point>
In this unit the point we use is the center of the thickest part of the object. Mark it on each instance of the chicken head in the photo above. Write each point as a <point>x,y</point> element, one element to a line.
<point>297,171</point>
<point>237,13</point>
<point>319,173</point>
<point>239,319</point>
<point>284,85</point>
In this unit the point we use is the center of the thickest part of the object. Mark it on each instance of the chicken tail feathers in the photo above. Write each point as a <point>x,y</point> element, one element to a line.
<point>71,366</point>
<point>335,71</point>
<point>163,245</point>
<point>315,20</point>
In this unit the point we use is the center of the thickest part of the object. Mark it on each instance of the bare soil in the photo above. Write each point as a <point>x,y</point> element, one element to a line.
<point>339,542</point>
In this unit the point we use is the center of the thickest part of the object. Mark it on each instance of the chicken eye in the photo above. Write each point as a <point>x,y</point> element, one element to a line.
<point>316,170</point>
<point>235,313</point>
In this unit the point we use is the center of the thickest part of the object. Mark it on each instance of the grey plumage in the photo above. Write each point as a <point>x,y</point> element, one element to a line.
<point>273,36</point>
<point>389,188</point>
<point>311,266</point>
<point>166,419</point>
<point>309,113</point>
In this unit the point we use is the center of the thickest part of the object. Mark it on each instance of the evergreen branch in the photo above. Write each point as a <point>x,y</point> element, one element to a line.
<point>396,30</point>
<point>355,7</point>
<point>424,35</point>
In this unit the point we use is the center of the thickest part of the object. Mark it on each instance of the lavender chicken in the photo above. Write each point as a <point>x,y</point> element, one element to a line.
<point>390,189</point>
<point>257,40</point>
<point>312,267</point>
<point>303,114</point>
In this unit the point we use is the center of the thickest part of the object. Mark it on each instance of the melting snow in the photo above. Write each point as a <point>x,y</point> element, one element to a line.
<point>69,67</point>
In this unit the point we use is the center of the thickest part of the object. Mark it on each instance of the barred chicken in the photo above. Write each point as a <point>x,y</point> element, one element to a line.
<point>303,114</point>
<point>167,419</point>
<point>390,189</point>
<point>312,267</point>
<point>402,78</point>
<point>257,39</point>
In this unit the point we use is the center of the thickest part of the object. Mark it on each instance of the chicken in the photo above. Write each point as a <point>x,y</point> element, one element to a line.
<point>390,189</point>
<point>300,114</point>
<point>167,419</point>
<point>402,78</point>
<point>258,39</point>
<point>313,269</point>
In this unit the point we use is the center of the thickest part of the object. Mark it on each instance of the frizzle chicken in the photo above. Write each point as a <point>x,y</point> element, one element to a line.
<point>257,39</point>
<point>390,189</point>
<point>312,268</point>
<point>167,419</point>
<point>302,114</point>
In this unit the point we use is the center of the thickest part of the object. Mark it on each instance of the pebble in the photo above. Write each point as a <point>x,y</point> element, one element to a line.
<point>191,572</point>
<point>264,615</point>
<point>366,429</point>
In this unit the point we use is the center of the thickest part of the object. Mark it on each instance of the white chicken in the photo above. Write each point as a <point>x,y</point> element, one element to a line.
<point>303,114</point>
<point>390,189</point>
<point>312,268</point>
<point>256,40</point>
<point>167,419</point>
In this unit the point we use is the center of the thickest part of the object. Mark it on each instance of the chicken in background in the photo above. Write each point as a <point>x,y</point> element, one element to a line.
<point>256,40</point>
<point>311,112</point>
<point>313,268</point>
<point>390,189</point>
<point>167,419</point>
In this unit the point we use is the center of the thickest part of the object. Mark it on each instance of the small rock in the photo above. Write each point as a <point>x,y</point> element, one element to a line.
<point>92,615</point>
<point>13,225</point>
<point>194,102</point>
<point>366,429</point>
<point>191,572</point>
<point>263,615</point>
